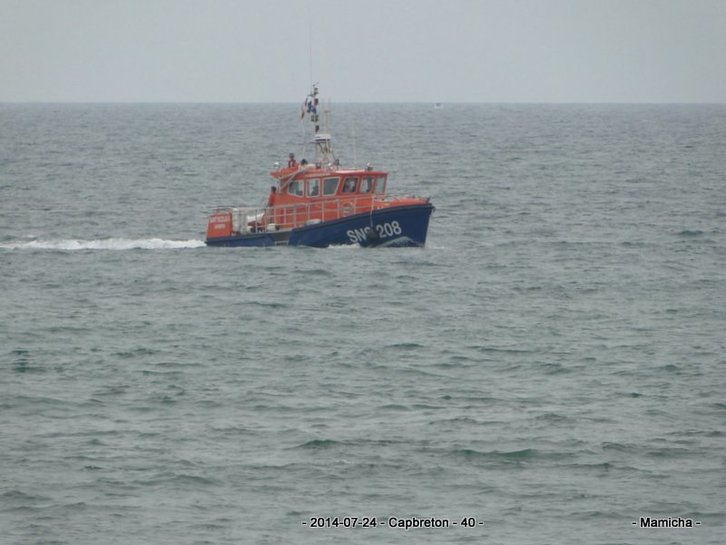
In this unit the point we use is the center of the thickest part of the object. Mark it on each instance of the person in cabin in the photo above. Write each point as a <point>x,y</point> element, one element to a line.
<point>291,162</point>
<point>367,186</point>
<point>349,185</point>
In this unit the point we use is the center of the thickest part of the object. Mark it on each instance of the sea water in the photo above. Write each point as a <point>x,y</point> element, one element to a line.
<point>550,369</point>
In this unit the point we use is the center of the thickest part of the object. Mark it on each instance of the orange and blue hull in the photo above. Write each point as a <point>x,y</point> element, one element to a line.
<point>394,226</point>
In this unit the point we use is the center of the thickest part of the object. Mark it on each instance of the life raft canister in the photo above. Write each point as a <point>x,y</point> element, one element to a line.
<point>220,224</point>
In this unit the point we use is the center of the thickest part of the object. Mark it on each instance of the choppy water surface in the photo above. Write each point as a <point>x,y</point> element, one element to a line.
<point>552,365</point>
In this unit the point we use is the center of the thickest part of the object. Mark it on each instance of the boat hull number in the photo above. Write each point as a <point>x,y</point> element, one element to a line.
<point>383,230</point>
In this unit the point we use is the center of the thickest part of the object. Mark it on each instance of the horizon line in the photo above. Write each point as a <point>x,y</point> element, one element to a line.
<point>371,102</point>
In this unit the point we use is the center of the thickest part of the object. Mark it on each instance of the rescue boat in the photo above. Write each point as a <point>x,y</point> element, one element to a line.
<point>319,203</point>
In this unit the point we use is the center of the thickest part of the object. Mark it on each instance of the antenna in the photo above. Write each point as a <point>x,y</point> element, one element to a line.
<point>355,147</point>
<point>310,50</point>
<point>326,119</point>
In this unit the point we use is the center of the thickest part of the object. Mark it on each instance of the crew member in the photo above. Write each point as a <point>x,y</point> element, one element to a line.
<point>272,196</point>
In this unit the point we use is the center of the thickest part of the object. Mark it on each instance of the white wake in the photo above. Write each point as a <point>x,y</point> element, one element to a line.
<point>103,244</point>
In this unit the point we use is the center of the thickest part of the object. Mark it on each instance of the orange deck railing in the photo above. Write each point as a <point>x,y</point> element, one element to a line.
<point>250,220</point>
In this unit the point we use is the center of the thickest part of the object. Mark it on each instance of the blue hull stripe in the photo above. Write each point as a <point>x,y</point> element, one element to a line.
<point>397,226</point>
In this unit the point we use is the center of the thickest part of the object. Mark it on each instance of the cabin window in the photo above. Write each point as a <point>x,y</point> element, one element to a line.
<point>368,185</point>
<point>381,185</point>
<point>313,188</point>
<point>349,185</point>
<point>330,186</point>
<point>295,188</point>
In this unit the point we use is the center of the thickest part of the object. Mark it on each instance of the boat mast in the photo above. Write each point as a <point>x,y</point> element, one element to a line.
<point>324,155</point>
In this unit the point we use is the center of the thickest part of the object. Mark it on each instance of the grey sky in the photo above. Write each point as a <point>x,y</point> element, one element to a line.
<point>363,50</point>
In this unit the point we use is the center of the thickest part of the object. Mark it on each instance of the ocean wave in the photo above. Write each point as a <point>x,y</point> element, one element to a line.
<point>103,244</point>
<point>494,455</point>
<point>319,444</point>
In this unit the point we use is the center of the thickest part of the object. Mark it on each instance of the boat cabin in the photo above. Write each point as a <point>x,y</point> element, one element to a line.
<point>311,194</point>
<point>332,184</point>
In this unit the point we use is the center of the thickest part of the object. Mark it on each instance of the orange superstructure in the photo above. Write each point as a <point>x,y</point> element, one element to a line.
<point>308,193</point>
